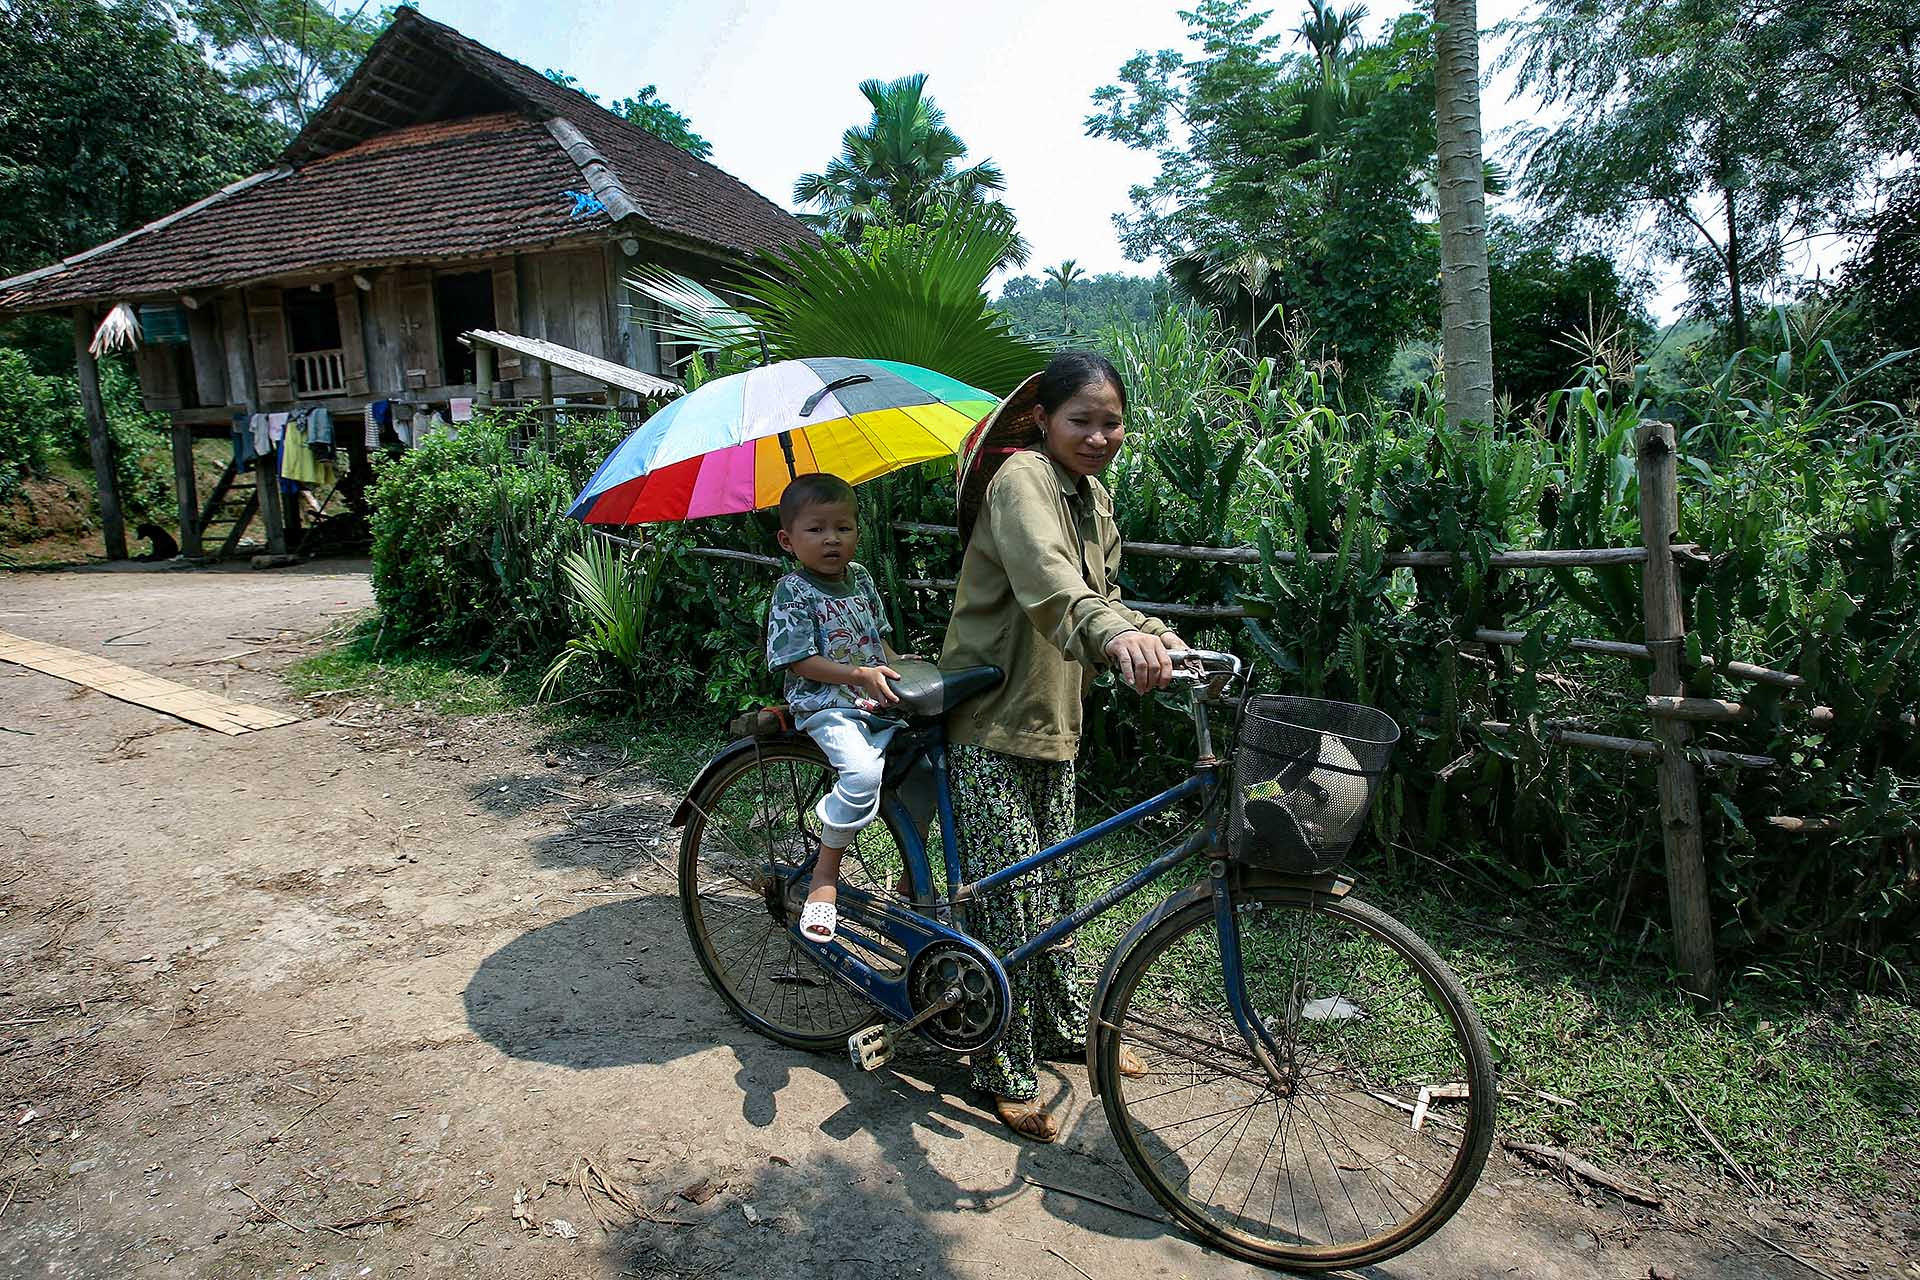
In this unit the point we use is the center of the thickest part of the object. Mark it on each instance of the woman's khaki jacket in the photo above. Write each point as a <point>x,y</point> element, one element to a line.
<point>1039,596</point>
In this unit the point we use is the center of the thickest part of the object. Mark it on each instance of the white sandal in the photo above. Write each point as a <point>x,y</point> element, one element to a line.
<point>818,921</point>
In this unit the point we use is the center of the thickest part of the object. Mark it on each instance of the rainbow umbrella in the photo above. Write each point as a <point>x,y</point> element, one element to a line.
<point>733,444</point>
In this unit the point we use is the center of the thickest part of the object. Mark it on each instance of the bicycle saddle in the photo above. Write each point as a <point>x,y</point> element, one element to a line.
<point>928,693</point>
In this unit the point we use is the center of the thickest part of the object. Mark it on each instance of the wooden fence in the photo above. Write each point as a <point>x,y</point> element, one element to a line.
<point>1671,712</point>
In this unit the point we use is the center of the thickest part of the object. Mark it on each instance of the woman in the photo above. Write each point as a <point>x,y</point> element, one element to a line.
<point>1039,596</point>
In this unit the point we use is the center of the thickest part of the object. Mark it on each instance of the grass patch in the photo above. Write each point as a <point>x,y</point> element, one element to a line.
<point>410,678</point>
<point>1802,1087</point>
<point>674,748</point>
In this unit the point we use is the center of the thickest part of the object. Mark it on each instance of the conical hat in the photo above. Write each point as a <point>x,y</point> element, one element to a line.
<point>995,438</point>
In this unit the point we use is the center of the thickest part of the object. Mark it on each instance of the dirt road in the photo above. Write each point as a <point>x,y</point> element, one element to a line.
<point>327,1000</point>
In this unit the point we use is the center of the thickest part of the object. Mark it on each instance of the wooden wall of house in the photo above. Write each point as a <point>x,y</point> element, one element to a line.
<point>238,354</point>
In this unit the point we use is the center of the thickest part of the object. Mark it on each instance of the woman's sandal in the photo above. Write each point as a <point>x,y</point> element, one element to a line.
<point>818,921</point>
<point>1132,1065</point>
<point>1028,1119</point>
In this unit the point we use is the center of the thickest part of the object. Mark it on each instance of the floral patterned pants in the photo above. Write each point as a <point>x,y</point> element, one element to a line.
<point>1006,808</point>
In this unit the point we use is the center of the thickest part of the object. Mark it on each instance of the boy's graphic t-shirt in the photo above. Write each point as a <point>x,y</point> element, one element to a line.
<point>840,621</point>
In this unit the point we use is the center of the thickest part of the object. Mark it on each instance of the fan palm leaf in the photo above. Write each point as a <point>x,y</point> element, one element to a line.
<point>923,302</point>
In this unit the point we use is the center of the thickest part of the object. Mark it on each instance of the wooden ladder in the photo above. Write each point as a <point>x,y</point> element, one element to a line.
<point>220,511</point>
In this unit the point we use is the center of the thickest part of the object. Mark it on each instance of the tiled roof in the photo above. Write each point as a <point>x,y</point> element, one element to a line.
<point>451,189</point>
<point>353,194</point>
<point>676,192</point>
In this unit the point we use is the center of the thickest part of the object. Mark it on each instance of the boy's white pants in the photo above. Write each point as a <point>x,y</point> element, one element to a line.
<point>854,744</point>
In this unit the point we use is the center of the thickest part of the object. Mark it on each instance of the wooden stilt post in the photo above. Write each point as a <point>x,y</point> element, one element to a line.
<point>186,491</point>
<point>266,478</point>
<point>100,443</point>
<point>1679,788</point>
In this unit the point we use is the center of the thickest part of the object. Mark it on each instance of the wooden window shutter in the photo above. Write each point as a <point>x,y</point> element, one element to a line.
<point>353,347</point>
<point>209,362</point>
<point>238,350</point>
<point>419,337</point>
<point>267,326</point>
<point>159,371</point>
<point>506,315</point>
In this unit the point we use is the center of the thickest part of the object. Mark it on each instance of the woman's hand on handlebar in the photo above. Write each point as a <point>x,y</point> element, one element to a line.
<point>1141,660</point>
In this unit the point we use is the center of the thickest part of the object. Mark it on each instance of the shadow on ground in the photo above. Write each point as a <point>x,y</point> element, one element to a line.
<point>616,986</point>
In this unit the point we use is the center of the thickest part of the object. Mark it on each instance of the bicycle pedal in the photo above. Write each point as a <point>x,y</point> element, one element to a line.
<point>870,1049</point>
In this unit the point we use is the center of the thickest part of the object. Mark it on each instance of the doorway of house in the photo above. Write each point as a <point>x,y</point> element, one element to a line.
<point>463,300</point>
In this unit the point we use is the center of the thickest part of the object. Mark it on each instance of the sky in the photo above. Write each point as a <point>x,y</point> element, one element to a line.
<point>772,84</point>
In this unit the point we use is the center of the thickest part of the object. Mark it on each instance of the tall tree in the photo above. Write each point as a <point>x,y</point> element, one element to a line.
<point>900,168</point>
<point>1466,323</point>
<point>1064,275</point>
<point>658,118</point>
<point>110,121</point>
<point>1288,178</point>
<point>1551,303</point>
<point>646,109</point>
<point>1722,133</point>
<point>287,56</point>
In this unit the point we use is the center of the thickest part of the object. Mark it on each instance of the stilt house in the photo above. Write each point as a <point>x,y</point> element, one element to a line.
<point>443,189</point>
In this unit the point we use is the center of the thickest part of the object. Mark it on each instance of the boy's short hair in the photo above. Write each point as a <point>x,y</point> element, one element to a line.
<point>813,489</point>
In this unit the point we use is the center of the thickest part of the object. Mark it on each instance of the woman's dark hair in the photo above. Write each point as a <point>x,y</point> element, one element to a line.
<point>1070,372</point>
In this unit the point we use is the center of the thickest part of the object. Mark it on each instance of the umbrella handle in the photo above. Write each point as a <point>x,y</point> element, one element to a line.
<point>812,402</point>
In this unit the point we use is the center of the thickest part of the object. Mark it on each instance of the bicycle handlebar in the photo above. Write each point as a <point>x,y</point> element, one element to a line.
<point>1201,664</point>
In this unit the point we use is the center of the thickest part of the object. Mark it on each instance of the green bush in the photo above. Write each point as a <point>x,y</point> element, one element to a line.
<point>33,421</point>
<point>41,422</point>
<point>469,536</point>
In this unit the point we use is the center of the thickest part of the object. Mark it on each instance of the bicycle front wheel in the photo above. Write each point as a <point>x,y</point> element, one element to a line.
<point>1373,1124</point>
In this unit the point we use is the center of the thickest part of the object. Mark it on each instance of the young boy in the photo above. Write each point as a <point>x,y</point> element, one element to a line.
<point>826,628</point>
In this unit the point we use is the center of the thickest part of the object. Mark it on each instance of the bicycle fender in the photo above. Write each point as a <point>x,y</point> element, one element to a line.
<point>1333,886</point>
<point>725,756</point>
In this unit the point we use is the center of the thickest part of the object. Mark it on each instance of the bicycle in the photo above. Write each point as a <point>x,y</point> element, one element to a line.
<point>1283,1020</point>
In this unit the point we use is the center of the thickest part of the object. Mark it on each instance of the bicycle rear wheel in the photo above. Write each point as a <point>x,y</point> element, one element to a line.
<point>1375,1126</point>
<point>750,828</point>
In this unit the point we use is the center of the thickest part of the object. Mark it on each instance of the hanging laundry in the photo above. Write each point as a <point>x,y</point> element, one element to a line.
<point>319,428</point>
<point>460,409</point>
<point>262,439</point>
<point>242,442</point>
<point>297,462</point>
<point>277,426</point>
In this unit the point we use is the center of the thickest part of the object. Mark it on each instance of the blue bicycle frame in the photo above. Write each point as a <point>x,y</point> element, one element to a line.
<point>883,926</point>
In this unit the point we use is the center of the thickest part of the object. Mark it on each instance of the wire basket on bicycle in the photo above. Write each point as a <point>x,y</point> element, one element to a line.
<point>1304,774</point>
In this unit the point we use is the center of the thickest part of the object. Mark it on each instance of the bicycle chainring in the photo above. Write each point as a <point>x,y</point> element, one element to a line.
<point>979,1015</point>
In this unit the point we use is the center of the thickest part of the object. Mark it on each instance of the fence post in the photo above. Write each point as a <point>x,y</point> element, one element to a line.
<point>546,415</point>
<point>482,374</point>
<point>1666,634</point>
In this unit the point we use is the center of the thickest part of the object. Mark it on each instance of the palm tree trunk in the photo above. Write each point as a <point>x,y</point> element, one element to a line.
<point>1466,325</point>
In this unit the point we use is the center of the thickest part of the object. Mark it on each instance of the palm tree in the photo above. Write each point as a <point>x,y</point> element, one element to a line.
<point>1460,185</point>
<point>1064,275</point>
<point>897,169</point>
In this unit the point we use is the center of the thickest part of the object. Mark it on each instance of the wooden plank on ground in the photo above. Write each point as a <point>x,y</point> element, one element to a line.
<point>196,706</point>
